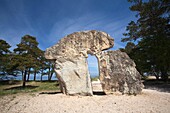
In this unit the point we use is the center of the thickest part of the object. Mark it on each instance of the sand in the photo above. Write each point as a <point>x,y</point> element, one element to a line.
<point>150,101</point>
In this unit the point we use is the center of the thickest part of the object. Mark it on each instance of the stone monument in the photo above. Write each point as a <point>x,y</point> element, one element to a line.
<point>117,70</point>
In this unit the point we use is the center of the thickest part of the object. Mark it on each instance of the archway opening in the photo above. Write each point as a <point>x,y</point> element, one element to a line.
<point>93,68</point>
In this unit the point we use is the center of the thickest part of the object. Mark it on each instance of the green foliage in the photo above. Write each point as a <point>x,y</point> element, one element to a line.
<point>4,47</point>
<point>26,59</point>
<point>152,31</point>
<point>4,56</point>
<point>28,56</point>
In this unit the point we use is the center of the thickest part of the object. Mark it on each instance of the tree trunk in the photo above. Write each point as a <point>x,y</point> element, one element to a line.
<point>51,74</point>
<point>41,77</point>
<point>35,73</point>
<point>164,76</point>
<point>28,74</point>
<point>156,75</point>
<point>50,78</point>
<point>22,72</point>
<point>41,74</point>
<point>24,78</point>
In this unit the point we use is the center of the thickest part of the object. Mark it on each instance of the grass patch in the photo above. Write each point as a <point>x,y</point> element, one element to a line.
<point>6,88</point>
<point>94,78</point>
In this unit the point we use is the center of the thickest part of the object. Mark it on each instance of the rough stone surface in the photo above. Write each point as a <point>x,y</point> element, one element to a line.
<point>97,86</point>
<point>70,55</point>
<point>118,73</point>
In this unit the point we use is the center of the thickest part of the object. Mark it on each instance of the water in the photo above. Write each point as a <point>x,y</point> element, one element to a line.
<point>38,77</point>
<point>19,77</point>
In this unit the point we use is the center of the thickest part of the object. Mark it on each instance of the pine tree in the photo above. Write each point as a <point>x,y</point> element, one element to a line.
<point>27,55</point>
<point>4,57</point>
<point>152,31</point>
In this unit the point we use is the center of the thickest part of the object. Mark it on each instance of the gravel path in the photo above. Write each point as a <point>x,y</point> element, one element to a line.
<point>150,101</point>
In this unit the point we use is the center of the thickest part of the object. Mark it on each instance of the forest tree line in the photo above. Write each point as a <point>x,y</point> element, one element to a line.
<point>27,58</point>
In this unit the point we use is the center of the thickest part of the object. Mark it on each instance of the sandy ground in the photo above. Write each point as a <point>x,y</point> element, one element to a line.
<point>150,101</point>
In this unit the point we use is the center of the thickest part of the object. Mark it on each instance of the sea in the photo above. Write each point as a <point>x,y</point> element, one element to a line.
<point>19,77</point>
<point>38,77</point>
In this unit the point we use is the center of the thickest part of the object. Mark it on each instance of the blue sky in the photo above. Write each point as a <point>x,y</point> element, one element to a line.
<point>50,20</point>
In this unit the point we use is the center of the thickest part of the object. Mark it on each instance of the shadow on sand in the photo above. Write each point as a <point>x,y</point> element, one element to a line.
<point>50,92</point>
<point>21,87</point>
<point>99,93</point>
<point>158,85</point>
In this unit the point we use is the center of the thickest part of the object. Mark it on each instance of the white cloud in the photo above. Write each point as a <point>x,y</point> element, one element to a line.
<point>115,27</point>
<point>17,25</point>
<point>88,21</point>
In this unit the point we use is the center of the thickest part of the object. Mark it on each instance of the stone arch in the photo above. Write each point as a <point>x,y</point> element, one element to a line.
<point>116,70</point>
<point>70,54</point>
